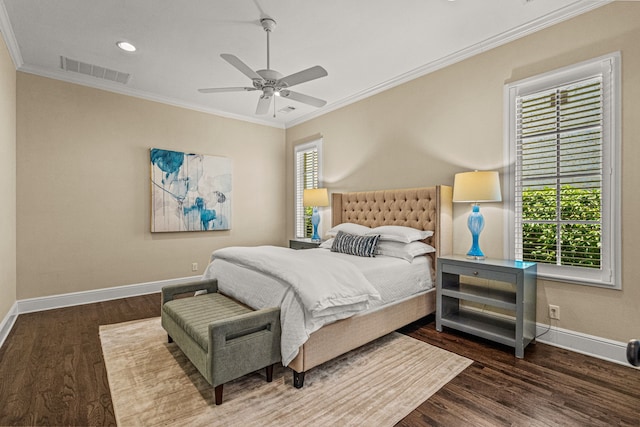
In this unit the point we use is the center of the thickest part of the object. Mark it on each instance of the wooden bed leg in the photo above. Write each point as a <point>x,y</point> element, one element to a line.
<point>269,373</point>
<point>169,339</point>
<point>218,393</point>
<point>298,379</point>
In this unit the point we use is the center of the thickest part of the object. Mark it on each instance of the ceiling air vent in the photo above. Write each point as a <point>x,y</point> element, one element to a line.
<point>94,70</point>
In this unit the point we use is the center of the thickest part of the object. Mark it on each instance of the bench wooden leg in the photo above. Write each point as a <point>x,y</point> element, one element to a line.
<point>269,373</point>
<point>218,393</point>
<point>298,379</point>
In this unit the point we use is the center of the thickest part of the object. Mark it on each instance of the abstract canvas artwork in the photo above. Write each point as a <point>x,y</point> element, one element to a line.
<point>190,192</point>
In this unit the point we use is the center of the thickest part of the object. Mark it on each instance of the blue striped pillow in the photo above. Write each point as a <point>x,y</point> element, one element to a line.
<point>355,245</point>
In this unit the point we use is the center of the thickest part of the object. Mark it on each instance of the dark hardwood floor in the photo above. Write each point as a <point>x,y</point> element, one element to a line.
<point>549,387</point>
<point>51,366</point>
<point>52,373</point>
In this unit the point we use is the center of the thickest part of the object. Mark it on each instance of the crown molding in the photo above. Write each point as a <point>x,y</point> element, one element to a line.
<point>9,37</point>
<point>568,12</point>
<point>88,81</point>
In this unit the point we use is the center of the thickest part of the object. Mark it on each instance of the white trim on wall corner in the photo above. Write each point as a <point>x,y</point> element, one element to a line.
<point>87,297</point>
<point>590,345</point>
<point>9,37</point>
<point>7,322</point>
<point>78,298</point>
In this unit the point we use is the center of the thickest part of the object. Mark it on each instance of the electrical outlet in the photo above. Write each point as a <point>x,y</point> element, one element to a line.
<point>194,266</point>
<point>554,312</point>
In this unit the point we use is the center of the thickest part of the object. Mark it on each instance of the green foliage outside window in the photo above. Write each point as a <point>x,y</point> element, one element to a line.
<point>580,242</point>
<point>308,227</point>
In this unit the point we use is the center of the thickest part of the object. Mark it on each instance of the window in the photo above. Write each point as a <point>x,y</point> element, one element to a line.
<point>307,169</point>
<point>564,166</point>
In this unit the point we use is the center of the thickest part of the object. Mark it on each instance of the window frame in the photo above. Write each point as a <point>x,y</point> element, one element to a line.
<point>610,275</point>
<point>297,196</point>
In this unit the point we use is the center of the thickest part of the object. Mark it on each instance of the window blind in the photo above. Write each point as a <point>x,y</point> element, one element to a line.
<point>558,175</point>
<point>307,176</point>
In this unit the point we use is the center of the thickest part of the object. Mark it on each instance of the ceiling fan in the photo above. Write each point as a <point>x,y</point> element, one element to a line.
<point>271,82</point>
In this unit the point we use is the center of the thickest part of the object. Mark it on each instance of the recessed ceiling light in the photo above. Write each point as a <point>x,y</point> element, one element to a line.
<point>126,46</point>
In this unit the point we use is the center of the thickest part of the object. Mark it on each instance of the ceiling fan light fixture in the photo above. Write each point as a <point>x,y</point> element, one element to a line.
<point>126,46</point>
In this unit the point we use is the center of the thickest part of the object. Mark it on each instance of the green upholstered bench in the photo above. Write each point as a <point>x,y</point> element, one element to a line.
<point>221,337</point>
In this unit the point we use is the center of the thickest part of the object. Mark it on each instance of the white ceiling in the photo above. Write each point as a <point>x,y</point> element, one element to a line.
<point>365,45</point>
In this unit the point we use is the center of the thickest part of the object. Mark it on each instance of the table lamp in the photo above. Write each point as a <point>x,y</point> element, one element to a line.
<point>315,197</point>
<point>476,187</point>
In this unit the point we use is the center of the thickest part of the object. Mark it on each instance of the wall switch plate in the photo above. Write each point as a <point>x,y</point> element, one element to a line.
<point>194,266</point>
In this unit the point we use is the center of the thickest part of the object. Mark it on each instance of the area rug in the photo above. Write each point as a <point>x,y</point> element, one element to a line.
<point>152,383</point>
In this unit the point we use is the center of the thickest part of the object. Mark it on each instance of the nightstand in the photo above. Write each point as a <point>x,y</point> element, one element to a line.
<point>303,244</point>
<point>493,299</point>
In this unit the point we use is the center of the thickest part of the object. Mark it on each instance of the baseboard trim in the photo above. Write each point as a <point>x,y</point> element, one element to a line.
<point>7,323</point>
<point>87,297</point>
<point>590,345</point>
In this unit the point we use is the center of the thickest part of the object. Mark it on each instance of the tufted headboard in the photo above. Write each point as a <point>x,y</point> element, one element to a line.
<point>426,208</point>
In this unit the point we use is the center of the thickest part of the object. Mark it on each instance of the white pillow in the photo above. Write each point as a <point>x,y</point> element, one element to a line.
<point>399,233</point>
<point>327,243</point>
<point>406,251</point>
<point>350,228</point>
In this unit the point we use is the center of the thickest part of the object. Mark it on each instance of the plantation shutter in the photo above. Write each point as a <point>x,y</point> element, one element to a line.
<point>307,176</point>
<point>558,175</point>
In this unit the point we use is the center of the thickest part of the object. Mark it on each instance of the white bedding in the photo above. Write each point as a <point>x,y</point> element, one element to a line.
<point>392,278</point>
<point>326,285</point>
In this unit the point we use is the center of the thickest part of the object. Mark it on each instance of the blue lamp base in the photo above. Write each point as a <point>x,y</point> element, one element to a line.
<point>315,221</point>
<point>475,222</point>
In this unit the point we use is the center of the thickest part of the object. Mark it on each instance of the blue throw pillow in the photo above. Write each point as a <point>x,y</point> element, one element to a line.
<point>355,245</point>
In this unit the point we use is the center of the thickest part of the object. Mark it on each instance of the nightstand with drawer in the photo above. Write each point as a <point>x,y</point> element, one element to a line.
<point>507,289</point>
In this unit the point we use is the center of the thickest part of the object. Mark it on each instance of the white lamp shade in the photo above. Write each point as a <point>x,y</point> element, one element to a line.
<point>478,186</point>
<point>315,197</point>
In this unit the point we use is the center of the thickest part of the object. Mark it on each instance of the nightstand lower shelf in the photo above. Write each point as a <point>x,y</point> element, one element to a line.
<point>482,325</point>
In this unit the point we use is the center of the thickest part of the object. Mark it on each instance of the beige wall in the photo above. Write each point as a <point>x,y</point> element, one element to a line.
<point>82,168</point>
<point>411,136</point>
<point>83,187</point>
<point>8,179</point>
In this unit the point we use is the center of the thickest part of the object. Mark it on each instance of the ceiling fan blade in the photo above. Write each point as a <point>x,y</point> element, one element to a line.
<point>241,66</point>
<point>263,104</point>
<point>226,89</point>
<point>303,76</point>
<point>305,99</point>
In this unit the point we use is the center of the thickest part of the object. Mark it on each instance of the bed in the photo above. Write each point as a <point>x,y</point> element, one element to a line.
<point>428,208</point>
